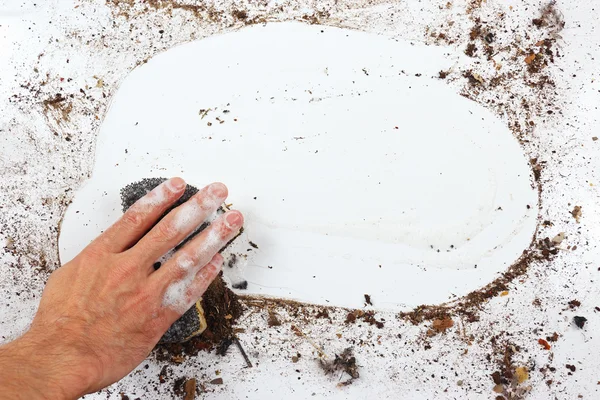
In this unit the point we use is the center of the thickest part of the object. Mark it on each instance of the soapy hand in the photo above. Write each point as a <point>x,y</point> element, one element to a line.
<point>102,313</point>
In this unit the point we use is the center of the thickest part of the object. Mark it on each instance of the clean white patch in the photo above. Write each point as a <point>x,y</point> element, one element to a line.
<point>356,169</point>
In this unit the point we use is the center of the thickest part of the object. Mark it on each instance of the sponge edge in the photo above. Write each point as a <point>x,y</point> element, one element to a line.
<point>192,322</point>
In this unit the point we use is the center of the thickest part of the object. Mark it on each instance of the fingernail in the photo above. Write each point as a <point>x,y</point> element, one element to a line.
<point>234,219</point>
<point>218,189</point>
<point>177,184</point>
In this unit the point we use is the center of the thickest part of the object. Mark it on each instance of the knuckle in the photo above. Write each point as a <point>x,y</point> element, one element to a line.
<point>132,218</point>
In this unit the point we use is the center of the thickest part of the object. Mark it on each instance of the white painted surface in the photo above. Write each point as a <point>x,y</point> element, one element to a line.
<point>352,171</point>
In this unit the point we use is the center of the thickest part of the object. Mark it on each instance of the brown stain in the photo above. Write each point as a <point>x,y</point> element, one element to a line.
<point>58,108</point>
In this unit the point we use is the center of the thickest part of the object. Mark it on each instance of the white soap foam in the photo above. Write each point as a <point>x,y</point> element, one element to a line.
<point>195,211</point>
<point>188,216</point>
<point>212,242</point>
<point>155,197</point>
<point>176,296</point>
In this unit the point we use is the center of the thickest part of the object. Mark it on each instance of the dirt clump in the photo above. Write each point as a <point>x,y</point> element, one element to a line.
<point>440,326</point>
<point>576,213</point>
<point>550,17</point>
<point>273,319</point>
<point>471,50</point>
<point>579,321</point>
<point>222,308</point>
<point>366,316</point>
<point>343,362</point>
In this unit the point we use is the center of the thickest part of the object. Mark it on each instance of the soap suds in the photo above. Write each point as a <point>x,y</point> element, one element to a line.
<point>188,216</point>
<point>155,197</point>
<point>177,295</point>
<point>195,212</point>
<point>212,241</point>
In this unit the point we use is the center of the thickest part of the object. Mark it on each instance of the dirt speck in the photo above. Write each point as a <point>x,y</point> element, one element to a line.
<point>576,213</point>
<point>579,321</point>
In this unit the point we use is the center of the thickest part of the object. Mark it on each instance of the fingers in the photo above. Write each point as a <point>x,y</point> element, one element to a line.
<point>181,295</point>
<point>141,216</point>
<point>195,254</point>
<point>178,224</point>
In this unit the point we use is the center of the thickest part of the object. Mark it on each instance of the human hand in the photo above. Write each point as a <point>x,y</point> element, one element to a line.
<point>102,313</point>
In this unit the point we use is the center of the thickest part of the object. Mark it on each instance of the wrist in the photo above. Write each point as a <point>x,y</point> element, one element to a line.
<point>32,367</point>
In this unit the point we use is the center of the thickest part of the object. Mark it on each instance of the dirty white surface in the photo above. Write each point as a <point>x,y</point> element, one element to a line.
<point>85,49</point>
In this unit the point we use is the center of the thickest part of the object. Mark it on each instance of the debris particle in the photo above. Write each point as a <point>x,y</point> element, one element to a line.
<point>544,344</point>
<point>550,17</point>
<point>217,381</point>
<point>471,50</point>
<point>474,79</point>
<point>570,367</point>
<point>558,238</point>
<point>521,374</point>
<point>190,389</point>
<point>441,325</point>
<point>253,244</point>
<point>242,15</point>
<point>345,362</point>
<point>243,285</point>
<point>368,317</point>
<point>241,349</point>
<point>530,58</point>
<point>576,213</point>
<point>552,338</point>
<point>368,300</point>
<point>574,304</point>
<point>232,261</point>
<point>203,112</point>
<point>580,321</point>
<point>273,320</point>
<point>443,74</point>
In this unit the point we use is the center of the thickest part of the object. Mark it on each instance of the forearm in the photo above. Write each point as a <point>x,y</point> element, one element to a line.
<point>32,370</point>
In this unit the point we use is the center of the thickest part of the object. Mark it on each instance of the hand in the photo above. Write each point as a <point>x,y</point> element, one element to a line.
<point>102,313</point>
